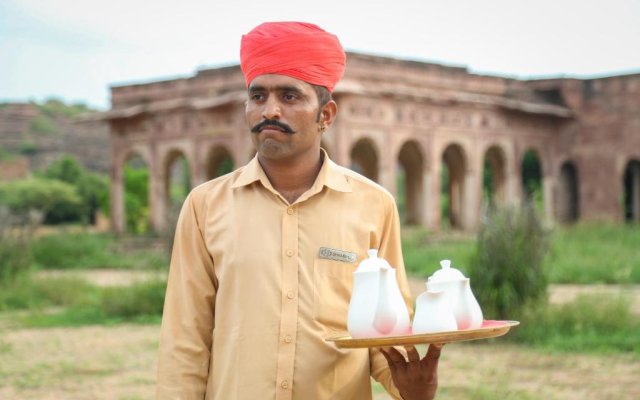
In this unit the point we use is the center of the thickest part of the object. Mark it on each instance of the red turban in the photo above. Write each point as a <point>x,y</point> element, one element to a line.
<point>297,49</point>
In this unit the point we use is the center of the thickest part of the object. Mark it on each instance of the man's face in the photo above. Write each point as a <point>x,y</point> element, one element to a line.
<point>282,113</point>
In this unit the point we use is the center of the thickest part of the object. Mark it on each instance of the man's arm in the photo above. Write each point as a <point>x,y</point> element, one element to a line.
<point>188,317</point>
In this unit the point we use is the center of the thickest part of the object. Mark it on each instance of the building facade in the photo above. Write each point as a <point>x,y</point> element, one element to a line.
<point>421,130</point>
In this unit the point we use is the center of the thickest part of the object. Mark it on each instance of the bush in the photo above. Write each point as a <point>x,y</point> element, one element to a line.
<point>92,188</point>
<point>142,299</point>
<point>58,201</point>
<point>15,239</point>
<point>506,271</point>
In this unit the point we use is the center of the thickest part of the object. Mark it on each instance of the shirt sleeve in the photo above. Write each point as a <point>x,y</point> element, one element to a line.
<point>391,250</point>
<point>188,316</point>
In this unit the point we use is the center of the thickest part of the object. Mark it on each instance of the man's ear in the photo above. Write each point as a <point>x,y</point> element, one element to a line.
<point>328,114</point>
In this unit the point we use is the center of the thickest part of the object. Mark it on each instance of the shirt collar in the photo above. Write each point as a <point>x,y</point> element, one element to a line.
<point>330,175</point>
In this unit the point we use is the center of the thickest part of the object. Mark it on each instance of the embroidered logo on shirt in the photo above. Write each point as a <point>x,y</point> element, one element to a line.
<point>337,255</point>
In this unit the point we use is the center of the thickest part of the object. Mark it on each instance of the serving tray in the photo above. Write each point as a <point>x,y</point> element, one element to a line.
<point>489,329</point>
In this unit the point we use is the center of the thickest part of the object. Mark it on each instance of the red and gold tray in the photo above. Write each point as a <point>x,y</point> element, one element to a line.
<point>489,329</point>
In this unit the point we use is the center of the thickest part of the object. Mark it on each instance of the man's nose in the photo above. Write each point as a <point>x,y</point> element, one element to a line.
<point>271,108</point>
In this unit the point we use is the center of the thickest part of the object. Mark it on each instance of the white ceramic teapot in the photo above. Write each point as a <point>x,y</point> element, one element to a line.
<point>459,299</point>
<point>376,308</point>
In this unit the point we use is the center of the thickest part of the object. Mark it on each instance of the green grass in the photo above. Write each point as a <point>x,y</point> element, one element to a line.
<point>582,254</point>
<point>91,251</point>
<point>596,253</point>
<point>75,302</point>
<point>423,251</point>
<point>590,324</point>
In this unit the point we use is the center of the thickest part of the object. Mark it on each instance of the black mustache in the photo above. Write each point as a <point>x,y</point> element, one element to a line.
<point>272,122</point>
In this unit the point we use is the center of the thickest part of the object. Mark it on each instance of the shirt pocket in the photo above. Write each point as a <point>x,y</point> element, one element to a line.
<point>333,281</point>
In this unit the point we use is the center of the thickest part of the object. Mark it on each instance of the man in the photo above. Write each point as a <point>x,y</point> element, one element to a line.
<point>262,264</point>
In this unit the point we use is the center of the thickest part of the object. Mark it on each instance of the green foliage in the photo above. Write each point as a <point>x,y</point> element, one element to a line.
<point>25,292</point>
<point>596,253</point>
<point>28,148</point>
<point>56,107</point>
<point>91,251</point>
<point>15,239</point>
<point>422,251</point>
<point>66,169</point>
<point>531,173</point>
<point>86,304</point>
<point>43,124</point>
<point>58,201</point>
<point>127,302</point>
<point>590,324</point>
<point>136,184</point>
<point>506,271</point>
<point>445,205</point>
<point>226,166</point>
<point>92,188</point>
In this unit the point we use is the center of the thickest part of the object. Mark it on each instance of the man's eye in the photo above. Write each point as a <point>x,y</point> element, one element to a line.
<point>289,96</point>
<point>256,97</point>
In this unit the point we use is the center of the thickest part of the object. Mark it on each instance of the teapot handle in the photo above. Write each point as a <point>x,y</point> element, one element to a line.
<point>385,318</point>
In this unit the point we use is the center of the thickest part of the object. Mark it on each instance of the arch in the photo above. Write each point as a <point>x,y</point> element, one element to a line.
<point>494,176</point>
<point>531,178</point>
<point>219,162</point>
<point>568,199</point>
<point>177,177</point>
<point>364,159</point>
<point>452,184</point>
<point>631,195</point>
<point>410,182</point>
<point>136,179</point>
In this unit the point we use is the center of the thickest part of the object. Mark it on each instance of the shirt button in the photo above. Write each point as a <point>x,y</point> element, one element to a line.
<point>291,295</point>
<point>290,210</point>
<point>290,252</point>
<point>284,384</point>
<point>287,339</point>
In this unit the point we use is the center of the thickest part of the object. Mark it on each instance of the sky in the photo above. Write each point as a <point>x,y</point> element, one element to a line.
<point>76,50</point>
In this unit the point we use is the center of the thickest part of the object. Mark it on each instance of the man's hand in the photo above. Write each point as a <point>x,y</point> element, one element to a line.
<point>415,379</point>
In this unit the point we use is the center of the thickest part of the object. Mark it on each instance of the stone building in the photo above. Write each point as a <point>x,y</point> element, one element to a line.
<point>413,120</point>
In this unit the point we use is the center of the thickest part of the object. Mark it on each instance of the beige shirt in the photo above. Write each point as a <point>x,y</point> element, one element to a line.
<point>249,301</point>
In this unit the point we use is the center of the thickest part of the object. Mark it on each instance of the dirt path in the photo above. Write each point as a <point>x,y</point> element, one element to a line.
<point>118,363</point>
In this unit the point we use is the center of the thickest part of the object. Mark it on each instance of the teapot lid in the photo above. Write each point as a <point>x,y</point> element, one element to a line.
<point>373,263</point>
<point>446,273</point>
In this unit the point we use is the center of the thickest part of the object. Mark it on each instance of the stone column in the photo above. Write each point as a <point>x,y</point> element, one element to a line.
<point>548,188</point>
<point>387,172</point>
<point>116,193</point>
<point>472,206</point>
<point>157,191</point>
<point>433,193</point>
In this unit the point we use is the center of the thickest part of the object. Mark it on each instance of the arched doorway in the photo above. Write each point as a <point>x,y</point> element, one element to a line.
<point>568,198</point>
<point>219,162</point>
<point>137,213</point>
<point>452,186</point>
<point>364,159</point>
<point>409,183</point>
<point>177,178</point>
<point>494,177</point>
<point>631,182</point>
<point>531,178</point>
